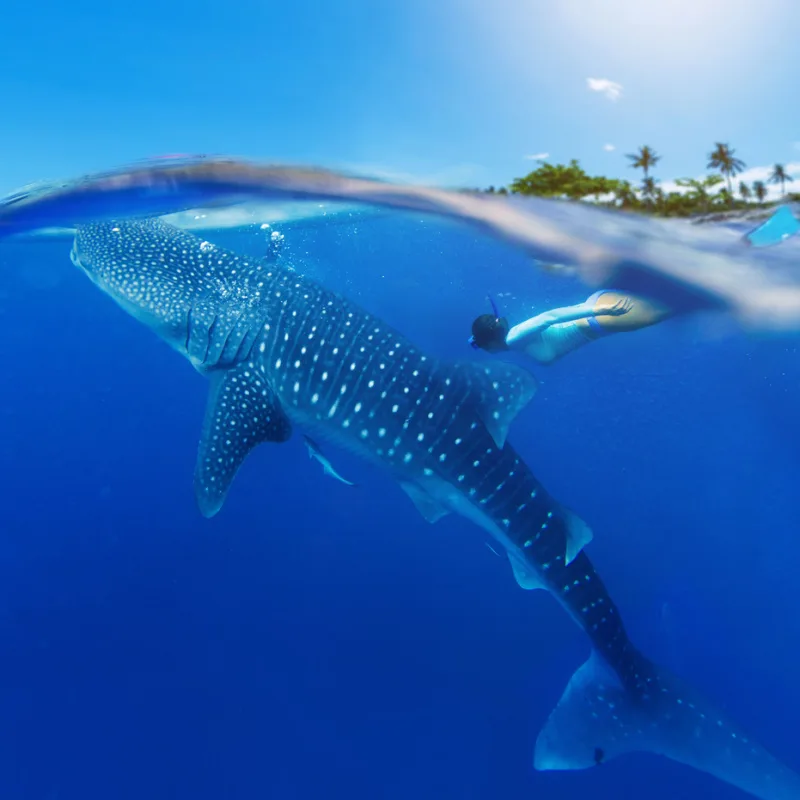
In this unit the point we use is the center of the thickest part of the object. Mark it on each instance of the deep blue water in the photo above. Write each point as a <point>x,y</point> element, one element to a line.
<point>315,640</point>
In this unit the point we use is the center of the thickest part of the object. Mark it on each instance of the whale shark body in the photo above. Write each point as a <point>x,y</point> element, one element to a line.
<point>282,351</point>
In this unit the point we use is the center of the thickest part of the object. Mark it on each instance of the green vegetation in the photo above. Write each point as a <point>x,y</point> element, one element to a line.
<point>712,194</point>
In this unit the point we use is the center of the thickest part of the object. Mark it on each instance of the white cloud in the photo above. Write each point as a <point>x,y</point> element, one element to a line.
<point>609,148</point>
<point>671,186</point>
<point>538,157</point>
<point>611,89</point>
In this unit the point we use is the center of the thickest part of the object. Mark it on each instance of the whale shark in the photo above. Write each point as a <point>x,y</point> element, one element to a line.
<point>281,351</point>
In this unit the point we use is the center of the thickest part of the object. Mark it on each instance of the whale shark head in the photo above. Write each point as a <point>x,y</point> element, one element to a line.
<point>205,301</point>
<point>130,260</point>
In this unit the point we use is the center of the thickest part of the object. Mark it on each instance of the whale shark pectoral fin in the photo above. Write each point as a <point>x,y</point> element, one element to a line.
<point>525,577</point>
<point>597,719</point>
<point>500,392</point>
<point>579,534</point>
<point>430,509</point>
<point>242,412</point>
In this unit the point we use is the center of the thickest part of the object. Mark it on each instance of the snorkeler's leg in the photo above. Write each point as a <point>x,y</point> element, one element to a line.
<point>553,334</point>
<point>555,341</point>
<point>641,313</point>
<point>615,312</point>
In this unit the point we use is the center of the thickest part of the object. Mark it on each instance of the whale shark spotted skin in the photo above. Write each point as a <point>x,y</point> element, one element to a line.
<point>282,351</point>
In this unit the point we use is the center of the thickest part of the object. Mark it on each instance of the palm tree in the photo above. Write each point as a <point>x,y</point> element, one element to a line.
<point>624,194</point>
<point>779,175</point>
<point>725,197</point>
<point>744,191</point>
<point>759,190</point>
<point>698,189</point>
<point>722,158</point>
<point>600,187</point>
<point>649,188</point>
<point>644,160</point>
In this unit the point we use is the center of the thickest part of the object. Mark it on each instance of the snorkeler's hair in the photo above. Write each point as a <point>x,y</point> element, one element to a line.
<point>489,333</point>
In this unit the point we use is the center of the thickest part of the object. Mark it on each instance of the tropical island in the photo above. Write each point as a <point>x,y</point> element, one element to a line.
<point>712,194</point>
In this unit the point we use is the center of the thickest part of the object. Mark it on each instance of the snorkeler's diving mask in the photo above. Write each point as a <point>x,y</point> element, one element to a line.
<point>502,324</point>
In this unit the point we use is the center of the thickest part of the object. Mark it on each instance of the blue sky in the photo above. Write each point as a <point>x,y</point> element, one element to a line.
<point>449,92</point>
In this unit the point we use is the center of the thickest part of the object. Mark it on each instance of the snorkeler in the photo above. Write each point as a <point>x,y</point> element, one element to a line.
<point>552,334</point>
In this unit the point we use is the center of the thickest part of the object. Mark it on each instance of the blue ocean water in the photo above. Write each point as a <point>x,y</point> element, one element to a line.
<point>315,640</point>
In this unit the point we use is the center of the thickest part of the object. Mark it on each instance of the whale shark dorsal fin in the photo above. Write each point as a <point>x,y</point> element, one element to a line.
<point>579,534</point>
<point>430,509</point>
<point>500,391</point>
<point>242,412</point>
<point>524,575</point>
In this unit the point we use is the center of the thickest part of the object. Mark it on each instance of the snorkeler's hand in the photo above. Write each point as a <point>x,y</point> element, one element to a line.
<point>622,306</point>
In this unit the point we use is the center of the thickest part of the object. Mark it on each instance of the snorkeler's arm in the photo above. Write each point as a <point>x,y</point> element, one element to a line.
<point>519,333</point>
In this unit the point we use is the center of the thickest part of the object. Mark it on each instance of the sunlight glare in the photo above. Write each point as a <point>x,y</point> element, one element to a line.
<point>674,35</point>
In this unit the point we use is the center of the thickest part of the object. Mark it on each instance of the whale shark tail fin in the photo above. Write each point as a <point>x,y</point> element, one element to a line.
<point>598,719</point>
